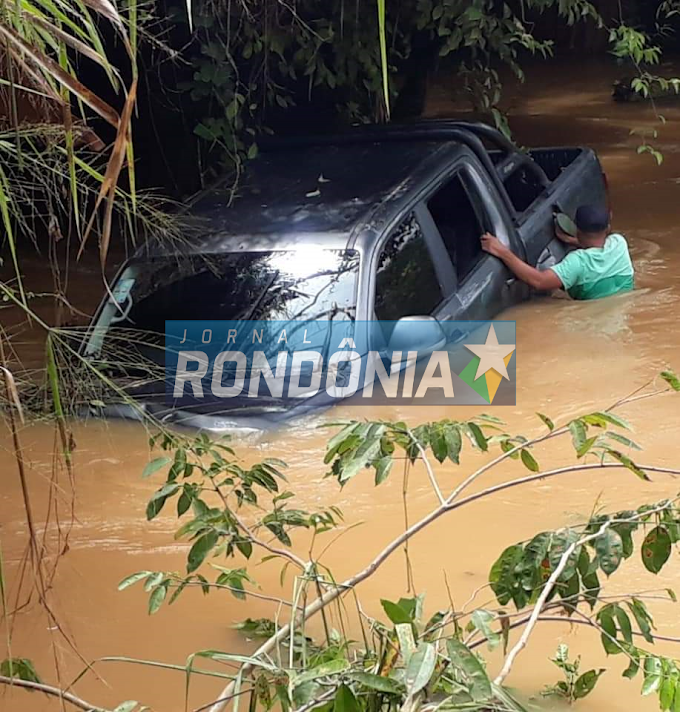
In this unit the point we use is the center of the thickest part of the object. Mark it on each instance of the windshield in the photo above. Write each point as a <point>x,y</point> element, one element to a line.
<point>307,283</point>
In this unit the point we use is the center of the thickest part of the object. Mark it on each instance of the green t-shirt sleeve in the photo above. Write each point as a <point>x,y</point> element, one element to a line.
<point>569,269</point>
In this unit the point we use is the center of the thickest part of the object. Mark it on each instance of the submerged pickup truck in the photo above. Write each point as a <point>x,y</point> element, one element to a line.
<point>381,223</point>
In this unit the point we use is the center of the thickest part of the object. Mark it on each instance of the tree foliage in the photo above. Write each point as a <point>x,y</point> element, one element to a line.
<point>253,60</point>
<point>412,658</point>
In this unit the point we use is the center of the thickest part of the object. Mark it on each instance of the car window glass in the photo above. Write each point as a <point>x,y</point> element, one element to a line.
<point>460,219</point>
<point>305,284</point>
<point>406,281</point>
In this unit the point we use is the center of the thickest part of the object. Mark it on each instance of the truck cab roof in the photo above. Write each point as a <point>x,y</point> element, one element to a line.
<point>321,194</point>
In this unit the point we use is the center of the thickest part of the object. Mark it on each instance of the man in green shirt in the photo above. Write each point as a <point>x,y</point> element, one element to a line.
<point>599,266</point>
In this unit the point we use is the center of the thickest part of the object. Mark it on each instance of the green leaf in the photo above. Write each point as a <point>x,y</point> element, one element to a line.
<point>587,445</point>
<point>667,691</point>
<point>413,606</point>
<point>377,682</point>
<point>629,464</point>
<point>534,569</point>
<point>478,436</point>
<point>395,612</point>
<point>503,577</point>
<point>257,627</point>
<point>642,618</point>
<point>614,420</point>
<point>482,621</point>
<point>345,701</point>
<point>157,598</point>
<point>676,699</point>
<point>547,422</point>
<point>420,668</point>
<point>126,706</point>
<point>609,548</point>
<point>623,622</point>
<point>529,461</point>
<point>21,668</point>
<point>578,434</point>
<point>438,443</point>
<point>335,443</point>
<point>155,505</point>
<point>333,667</point>
<point>511,704</point>
<point>560,542</point>
<point>200,550</point>
<point>368,450</point>
<point>634,666</point>
<point>153,580</point>
<point>586,683</point>
<point>453,443</point>
<point>154,466</point>
<point>596,419</point>
<point>464,660</point>
<point>591,586</point>
<point>656,549</point>
<point>653,675</point>
<point>235,658</point>
<point>245,547</point>
<point>407,643</point>
<point>433,626</point>
<point>176,593</point>
<point>605,619</point>
<point>383,467</point>
<point>305,692</point>
<point>133,578</point>
<point>183,503</point>
<point>671,379</point>
<point>623,440</point>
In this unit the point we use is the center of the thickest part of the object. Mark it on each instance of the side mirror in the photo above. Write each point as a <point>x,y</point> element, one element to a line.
<point>417,333</point>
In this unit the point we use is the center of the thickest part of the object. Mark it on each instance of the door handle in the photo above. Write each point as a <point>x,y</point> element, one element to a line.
<point>510,281</point>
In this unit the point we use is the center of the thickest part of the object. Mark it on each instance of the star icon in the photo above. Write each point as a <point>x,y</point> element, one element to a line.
<point>491,354</point>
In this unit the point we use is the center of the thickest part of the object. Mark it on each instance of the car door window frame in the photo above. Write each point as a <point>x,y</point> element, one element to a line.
<point>482,199</point>
<point>436,253</point>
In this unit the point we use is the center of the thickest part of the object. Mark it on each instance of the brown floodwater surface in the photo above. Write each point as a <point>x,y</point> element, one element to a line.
<point>570,357</point>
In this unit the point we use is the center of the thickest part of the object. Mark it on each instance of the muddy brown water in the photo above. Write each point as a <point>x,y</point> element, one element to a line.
<point>570,357</point>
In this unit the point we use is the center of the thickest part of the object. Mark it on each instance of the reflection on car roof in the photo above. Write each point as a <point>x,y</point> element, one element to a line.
<point>308,194</point>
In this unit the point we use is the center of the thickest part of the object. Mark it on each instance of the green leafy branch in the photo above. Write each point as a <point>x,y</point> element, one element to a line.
<point>375,445</point>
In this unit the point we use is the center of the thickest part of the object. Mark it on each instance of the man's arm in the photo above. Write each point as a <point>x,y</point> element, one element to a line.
<point>543,280</point>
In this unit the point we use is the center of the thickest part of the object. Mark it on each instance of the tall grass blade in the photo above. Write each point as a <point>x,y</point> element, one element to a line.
<point>383,57</point>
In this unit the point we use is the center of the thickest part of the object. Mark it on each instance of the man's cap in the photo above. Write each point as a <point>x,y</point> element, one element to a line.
<point>592,218</point>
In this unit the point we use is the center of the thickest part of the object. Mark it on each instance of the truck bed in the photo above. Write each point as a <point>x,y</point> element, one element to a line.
<point>523,187</point>
<point>555,160</point>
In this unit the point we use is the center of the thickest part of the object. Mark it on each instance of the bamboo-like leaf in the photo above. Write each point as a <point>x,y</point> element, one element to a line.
<point>49,66</point>
<point>109,183</point>
<point>5,212</point>
<point>107,9</point>
<point>76,44</point>
<point>383,55</point>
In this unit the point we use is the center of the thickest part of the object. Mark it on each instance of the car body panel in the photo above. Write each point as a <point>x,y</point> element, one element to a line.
<point>347,196</point>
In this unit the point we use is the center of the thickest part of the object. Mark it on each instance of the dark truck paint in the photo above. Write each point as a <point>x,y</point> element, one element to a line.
<point>434,185</point>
